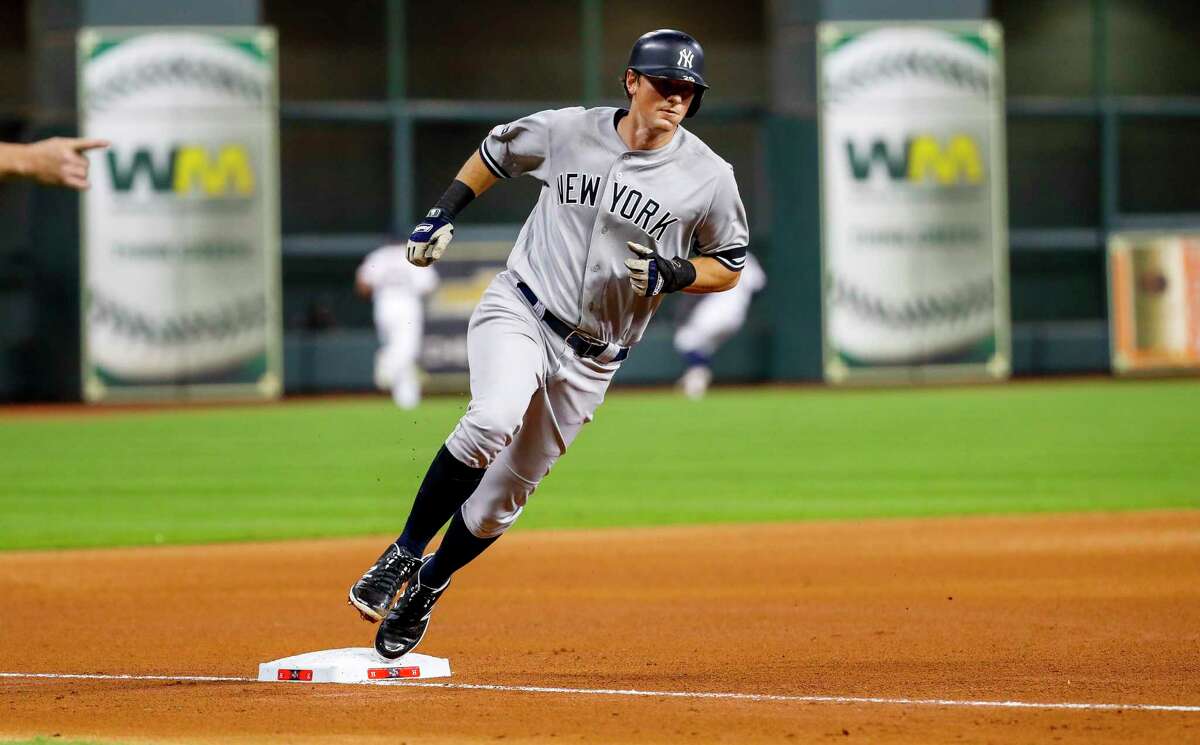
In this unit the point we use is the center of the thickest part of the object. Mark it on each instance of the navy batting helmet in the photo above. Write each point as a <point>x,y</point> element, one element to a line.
<point>668,53</point>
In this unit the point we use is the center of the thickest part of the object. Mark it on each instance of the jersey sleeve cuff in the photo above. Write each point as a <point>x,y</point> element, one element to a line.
<point>733,259</point>
<point>492,164</point>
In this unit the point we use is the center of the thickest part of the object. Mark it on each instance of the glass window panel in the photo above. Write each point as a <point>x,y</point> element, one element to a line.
<point>336,177</point>
<point>1062,286</point>
<point>1152,47</point>
<point>318,294</point>
<point>14,100</point>
<point>1046,35</point>
<point>489,50</point>
<point>1159,159</point>
<point>330,50</point>
<point>14,73</point>
<point>1053,172</point>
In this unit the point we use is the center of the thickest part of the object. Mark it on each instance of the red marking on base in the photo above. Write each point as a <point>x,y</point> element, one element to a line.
<point>383,673</point>
<point>295,674</point>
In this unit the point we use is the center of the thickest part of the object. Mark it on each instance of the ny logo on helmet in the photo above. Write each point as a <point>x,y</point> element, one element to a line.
<point>685,58</point>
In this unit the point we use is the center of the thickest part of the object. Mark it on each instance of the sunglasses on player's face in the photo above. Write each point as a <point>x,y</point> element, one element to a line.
<point>667,87</point>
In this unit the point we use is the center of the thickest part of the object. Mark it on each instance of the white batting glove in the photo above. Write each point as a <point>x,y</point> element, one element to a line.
<point>429,239</point>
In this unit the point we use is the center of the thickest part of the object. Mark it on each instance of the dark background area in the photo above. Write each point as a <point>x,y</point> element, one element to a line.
<point>382,100</point>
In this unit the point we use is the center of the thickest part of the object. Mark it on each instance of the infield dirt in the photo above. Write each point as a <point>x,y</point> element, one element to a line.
<point>1101,608</point>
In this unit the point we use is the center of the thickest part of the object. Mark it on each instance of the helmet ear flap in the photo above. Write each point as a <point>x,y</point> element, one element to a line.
<point>695,107</point>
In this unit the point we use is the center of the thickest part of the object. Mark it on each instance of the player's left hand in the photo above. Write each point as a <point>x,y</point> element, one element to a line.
<point>653,274</point>
<point>429,239</point>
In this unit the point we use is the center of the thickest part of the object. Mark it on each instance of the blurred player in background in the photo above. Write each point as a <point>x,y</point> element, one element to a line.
<point>58,161</point>
<point>712,321</point>
<point>397,288</point>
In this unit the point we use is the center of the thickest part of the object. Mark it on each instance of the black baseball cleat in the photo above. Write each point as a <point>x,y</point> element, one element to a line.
<point>407,623</point>
<point>372,595</point>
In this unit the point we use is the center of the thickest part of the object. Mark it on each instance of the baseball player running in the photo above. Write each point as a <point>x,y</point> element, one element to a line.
<point>397,288</point>
<point>710,324</point>
<point>628,196</point>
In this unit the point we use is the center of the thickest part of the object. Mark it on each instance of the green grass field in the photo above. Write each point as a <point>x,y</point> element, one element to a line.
<point>336,468</point>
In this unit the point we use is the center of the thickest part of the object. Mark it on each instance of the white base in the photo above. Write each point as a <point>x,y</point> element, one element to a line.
<point>352,665</point>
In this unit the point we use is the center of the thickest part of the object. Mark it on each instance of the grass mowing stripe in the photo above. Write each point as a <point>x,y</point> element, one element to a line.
<point>321,468</point>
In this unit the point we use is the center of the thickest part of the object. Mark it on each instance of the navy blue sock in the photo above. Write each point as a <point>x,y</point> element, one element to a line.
<point>459,547</point>
<point>694,359</point>
<point>447,484</point>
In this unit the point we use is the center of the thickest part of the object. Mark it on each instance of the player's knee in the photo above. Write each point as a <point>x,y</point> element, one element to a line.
<point>498,501</point>
<point>481,434</point>
<point>493,510</point>
<point>493,426</point>
<point>490,525</point>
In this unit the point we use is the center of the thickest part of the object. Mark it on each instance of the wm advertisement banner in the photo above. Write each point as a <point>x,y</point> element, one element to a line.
<point>914,240</point>
<point>181,226</point>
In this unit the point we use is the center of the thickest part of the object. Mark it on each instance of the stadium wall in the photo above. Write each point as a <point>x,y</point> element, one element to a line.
<point>1108,142</point>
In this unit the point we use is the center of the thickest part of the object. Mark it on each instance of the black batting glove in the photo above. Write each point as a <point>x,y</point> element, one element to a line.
<point>653,274</point>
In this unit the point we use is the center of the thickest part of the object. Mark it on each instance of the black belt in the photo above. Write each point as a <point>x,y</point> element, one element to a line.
<point>583,344</point>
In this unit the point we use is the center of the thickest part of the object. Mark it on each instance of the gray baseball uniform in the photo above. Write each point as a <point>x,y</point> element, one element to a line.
<point>530,391</point>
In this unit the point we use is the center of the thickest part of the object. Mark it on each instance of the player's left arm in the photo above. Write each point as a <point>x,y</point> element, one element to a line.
<point>721,239</point>
<point>712,276</point>
<point>652,274</point>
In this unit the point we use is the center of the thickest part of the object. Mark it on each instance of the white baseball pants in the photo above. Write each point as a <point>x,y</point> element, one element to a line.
<point>530,396</point>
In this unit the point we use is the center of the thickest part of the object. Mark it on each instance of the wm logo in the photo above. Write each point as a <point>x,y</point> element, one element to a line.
<point>187,169</point>
<point>922,158</point>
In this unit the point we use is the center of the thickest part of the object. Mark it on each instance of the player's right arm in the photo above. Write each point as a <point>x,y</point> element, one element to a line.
<point>476,175</point>
<point>509,150</point>
<point>432,235</point>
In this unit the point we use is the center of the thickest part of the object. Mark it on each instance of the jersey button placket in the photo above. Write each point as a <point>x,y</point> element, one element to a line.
<point>616,176</point>
<point>594,284</point>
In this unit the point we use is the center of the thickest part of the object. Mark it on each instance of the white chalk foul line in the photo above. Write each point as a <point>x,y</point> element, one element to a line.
<point>100,676</point>
<point>802,699</point>
<point>947,702</point>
